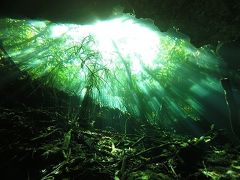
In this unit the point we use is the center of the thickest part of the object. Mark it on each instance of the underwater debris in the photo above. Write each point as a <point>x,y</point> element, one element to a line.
<point>50,153</point>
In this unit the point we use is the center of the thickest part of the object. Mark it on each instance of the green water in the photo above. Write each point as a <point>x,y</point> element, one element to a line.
<point>123,63</point>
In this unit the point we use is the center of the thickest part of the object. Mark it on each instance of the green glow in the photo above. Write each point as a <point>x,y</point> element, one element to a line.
<point>124,63</point>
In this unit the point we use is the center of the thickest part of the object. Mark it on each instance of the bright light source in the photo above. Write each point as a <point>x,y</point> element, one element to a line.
<point>125,35</point>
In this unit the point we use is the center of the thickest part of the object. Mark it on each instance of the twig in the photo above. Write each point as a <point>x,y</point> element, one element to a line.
<point>138,141</point>
<point>123,167</point>
<point>44,135</point>
<point>152,148</point>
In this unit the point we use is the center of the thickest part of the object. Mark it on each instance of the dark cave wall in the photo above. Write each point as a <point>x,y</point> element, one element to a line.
<point>74,11</point>
<point>204,21</point>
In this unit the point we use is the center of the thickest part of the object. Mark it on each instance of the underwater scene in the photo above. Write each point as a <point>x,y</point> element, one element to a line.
<point>117,98</point>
